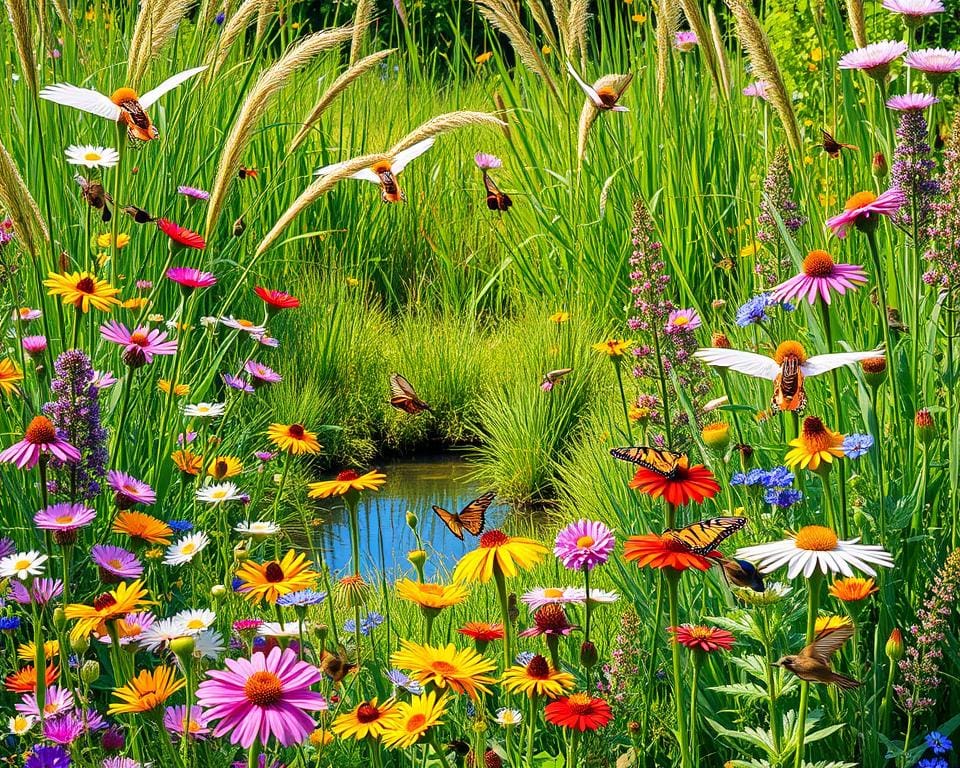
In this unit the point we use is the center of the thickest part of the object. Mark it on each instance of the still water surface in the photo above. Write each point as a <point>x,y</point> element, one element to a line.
<point>385,537</point>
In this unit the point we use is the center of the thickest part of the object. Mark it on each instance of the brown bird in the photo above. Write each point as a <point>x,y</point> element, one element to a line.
<point>813,662</point>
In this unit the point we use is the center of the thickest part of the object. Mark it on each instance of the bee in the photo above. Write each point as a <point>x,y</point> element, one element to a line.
<point>832,147</point>
<point>95,196</point>
<point>138,214</point>
<point>246,173</point>
<point>337,665</point>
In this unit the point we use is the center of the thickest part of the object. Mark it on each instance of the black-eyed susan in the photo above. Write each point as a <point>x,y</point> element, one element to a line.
<point>498,553</point>
<point>142,527</point>
<point>367,720</point>
<point>434,597</point>
<point>146,691</point>
<point>223,467</point>
<point>817,444</point>
<point>83,290</point>
<point>107,607</point>
<point>463,671</point>
<point>412,719</point>
<point>268,581</point>
<point>615,348</point>
<point>346,482</point>
<point>295,439</point>
<point>10,376</point>
<point>537,678</point>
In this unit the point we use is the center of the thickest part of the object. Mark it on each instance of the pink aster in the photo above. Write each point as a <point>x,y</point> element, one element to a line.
<point>914,10</point>
<point>685,40</point>
<point>261,374</point>
<point>757,89</point>
<point>115,563</point>
<point>682,320</point>
<point>41,591</point>
<point>874,59</point>
<point>176,721</point>
<point>820,276</point>
<point>193,194</point>
<point>910,102</point>
<point>583,545</point>
<point>34,345</point>
<point>58,701</point>
<point>129,490</point>
<point>486,162</point>
<point>139,345</point>
<point>40,437</point>
<point>103,379</point>
<point>64,517</point>
<point>190,278</point>
<point>133,627</point>
<point>63,730</point>
<point>262,697</point>
<point>701,638</point>
<point>863,208</point>
<point>935,63</point>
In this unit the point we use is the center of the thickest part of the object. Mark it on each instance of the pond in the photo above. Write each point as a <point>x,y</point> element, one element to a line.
<point>385,537</point>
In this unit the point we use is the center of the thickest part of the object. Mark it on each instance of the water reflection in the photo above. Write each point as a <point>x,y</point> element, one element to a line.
<point>385,537</point>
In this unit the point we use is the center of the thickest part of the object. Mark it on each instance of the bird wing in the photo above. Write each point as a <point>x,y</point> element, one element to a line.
<point>152,97</point>
<point>587,89</point>
<point>84,99</point>
<point>403,158</point>
<point>750,363</point>
<point>827,642</point>
<point>364,174</point>
<point>822,363</point>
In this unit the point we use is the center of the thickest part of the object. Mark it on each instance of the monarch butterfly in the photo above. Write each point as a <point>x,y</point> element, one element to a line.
<point>659,460</point>
<point>472,517</point>
<point>496,199</point>
<point>336,666</point>
<point>832,147</point>
<point>704,536</point>
<point>404,397</point>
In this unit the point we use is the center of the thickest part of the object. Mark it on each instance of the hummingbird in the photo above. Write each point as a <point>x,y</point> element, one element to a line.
<point>741,573</point>
<point>813,662</point>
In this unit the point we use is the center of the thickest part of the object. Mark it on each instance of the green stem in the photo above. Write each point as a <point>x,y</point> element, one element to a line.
<point>771,683</point>
<point>531,729</point>
<point>673,580</point>
<point>651,660</point>
<point>623,398</point>
<point>813,598</point>
<point>505,615</point>
<point>253,756</point>
<point>694,682</point>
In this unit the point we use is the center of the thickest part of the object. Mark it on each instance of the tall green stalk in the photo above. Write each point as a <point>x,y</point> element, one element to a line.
<point>813,601</point>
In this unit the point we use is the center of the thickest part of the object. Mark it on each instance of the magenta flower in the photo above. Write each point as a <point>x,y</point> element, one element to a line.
<point>190,278</point>
<point>176,720</point>
<point>64,517</point>
<point>935,63</point>
<point>129,490</point>
<point>261,374</point>
<point>486,162</point>
<point>63,730</point>
<point>584,544</point>
<point>41,591</point>
<point>862,210</point>
<point>914,11</point>
<point>193,194</point>
<point>261,698</point>
<point>34,345</point>
<point>139,345</point>
<point>238,383</point>
<point>40,437</point>
<point>115,563</point>
<point>757,90</point>
<point>263,456</point>
<point>874,59</point>
<point>682,320</point>
<point>58,701</point>
<point>685,40</point>
<point>144,285</point>
<point>135,626</point>
<point>103,379</point>
<point>910,102</point>
<point>820,276</point>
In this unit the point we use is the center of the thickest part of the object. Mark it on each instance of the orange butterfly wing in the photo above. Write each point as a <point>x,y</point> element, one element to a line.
<point>451,520</point>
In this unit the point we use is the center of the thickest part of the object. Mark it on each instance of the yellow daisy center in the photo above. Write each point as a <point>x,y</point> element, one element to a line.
<point>188,548</point>
<point>816,538</point>
<point>196,624</point>
<point>92,156</point>
<point>443,668</point>
<point>818,264</point>
<point>21,565</point>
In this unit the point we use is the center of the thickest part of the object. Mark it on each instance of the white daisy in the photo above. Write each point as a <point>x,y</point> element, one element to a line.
<point>208,645</point>
<point>90,156</point>
<point>260,529</point>
<point>204,410</point>
<point>507,717</point>
<point>22,565</point>
<point>541,596</point>
<point>219,493</point>
<point>240,324</point>
<point>596,595</point>
<point>817,547</point>
<point>20,724</point>
<point>195,621</point>
<point>162,633</point>
<point>278,631</point>
<point>186,549</point>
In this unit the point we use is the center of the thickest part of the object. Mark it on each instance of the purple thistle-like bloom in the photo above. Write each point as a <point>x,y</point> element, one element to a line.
<point>7,547</point>
<point>113,739</point>
<point>193,194</point>
<point>115,563</point>
<point>944,249</point>
<point>910,101</point>
<point>864,209</point>
<point>912,174</point>
<point>48,757</point>
<point>238,383</point>
<point>584,544</point>
<point>76,414</point>
<point>129,490</point>
<point>261,373</point>
<point>759,89</point>
<point>34,345</point>
<point>874,59</point>
<point>486,162</point>
<point>776,203</point>
<point>685,40</point>
<point>64,730</point>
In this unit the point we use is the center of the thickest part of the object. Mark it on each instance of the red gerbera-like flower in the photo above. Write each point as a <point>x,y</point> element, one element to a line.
<point>24,680</point>
<point>277,299</point>
<point>579,711</point>
<point>688,484</point>
<point>702,638</point>
<point>482,631</point>
<point>181,235</point>
<point>653,551</point>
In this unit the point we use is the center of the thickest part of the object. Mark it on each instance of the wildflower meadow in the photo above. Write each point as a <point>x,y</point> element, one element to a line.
<point>503,383</point>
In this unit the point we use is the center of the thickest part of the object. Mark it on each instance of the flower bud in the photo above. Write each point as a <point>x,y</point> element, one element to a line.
<point>716,436</point>
<point>417,558</point>
<point>894,646</point>
<point>412,520</point>
<point>80,645</point>
<point>59,619</point>
<point>924,426</point>
<point>879,165</point>
<point>874,370</point>
<point>720,340</point>
<point>183,647</point>
<point>588,654</point>
<point>90,671</point>
<point>217,591</point>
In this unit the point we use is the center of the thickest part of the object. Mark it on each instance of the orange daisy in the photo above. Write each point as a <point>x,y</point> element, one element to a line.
<point>652,551</point>
<point>271,580</point>
<point>688,484</point>
<point>148,529</point>
<point>24,680</point>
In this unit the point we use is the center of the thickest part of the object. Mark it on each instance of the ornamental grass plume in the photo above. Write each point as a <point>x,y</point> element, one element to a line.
<point>19,205</point>
<point>362,17</point>
<point>18,12</point>
<point>232,30</point>
<point>944,245</point>
<point>156,24</point>
<point>776,203</point>
<point>668,23</point>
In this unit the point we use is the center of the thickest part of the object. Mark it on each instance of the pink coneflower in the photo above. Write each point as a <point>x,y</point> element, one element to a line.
<point>758,90</point>
<point>129,490</point>
<point>34,345</point>
<point>176,720</point>
<point>863,209</point>
<point>103,379</point>
<point>262,697</point>
<point>910,102</point>
<point>701,638</point>
<point>935,63</point>
<point>139,345</point>
<point>193,194</point>
<point>181,235</point>
<point>261,374</point>
<point>26,314</point>
<point>115,563</point>
<point>685,40</point>
<point>682,320</point>
<point>584,544</point>
<point>40,437</point>
<point>549,620</point>
<point>190,278</point>
<point>58,701</point>
<point>64,518</point>
<point>238,383</point>
<point>914,11</point>
<point>820,276</point>
<point>486,162</point>
<point>874,59</point>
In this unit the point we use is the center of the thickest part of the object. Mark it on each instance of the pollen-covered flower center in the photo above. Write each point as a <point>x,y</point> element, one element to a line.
<point>296,431</point>
<point>86,285</point>
<point>551,617</point>
<point>443,668</point>
<point>538,668</point>
<point>816,538</point>
<point>367,713</point>
<point>91,156</point>
<point>188,548</point>
<point>700,632</point>
<point>63,519</point>
<point>273,572</point>
<point>431,589</point>
<point>139,338</point>
<point>493,539</point>
<point>552,592</point>
<point>790,349</point>
<point>416,723</point>
<point>22,565</point>
<point>579,703</point>
<point>104,601</point>
<point>585,542</point>
<point>860,200</point>
<point>874,365</point>
<point>263,688</point>
<point>40,431</point>
<point>347,476</point>
<point>816,436</point>
<point>818,264</point>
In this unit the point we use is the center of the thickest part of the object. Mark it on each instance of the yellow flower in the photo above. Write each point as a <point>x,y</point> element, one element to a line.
<point>559,317</point>
<point>546,50</point>
<point>816,55</point>
<point>320,738</point>
<point>412,719</point>
<point>138,302</point>
<point>432,596</point>
<point>537,678</point>
<point>613,347</point>
<point>294,438</point>
<point>83,290</point>
<point>463,671</point>
<point>716,435</point>
<point>146,691</point>
<point>639,18</point>
<point>830,622</point>
<point>346,482</point>
<point>181,390</point>
<point>352,282</point>
<point>500,554</point>
<point>852,589</point>
<point>126,598</point>
<point>223,467</point>
<point>484,57</point>
<point>751,249</point>
<point>273,579</point>
<point>368,719</point>
<point>106,239</point>
<point>10,374</point>
<point>816,445</point>
<point>28,651</point>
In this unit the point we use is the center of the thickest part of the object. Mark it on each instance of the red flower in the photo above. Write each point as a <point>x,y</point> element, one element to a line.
<point>653,551</point>
<point>579,711</point>
<point>277,299</point>
<point>482,631</point>
<point>688,484</point>
<point>25,679</point>
<point>181,235</point>
<point>701,638</point>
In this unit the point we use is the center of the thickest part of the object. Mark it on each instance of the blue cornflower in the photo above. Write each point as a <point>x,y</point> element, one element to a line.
<point>404,681</point>
<point>756,476</point>
<point>778,477</point>
<point>754,310</point>
<point>302,598</point>
<point>371,622</point>
<point>855,446</point>
<point>524,657</point>
<point>932,762</point>
<point>180,526</point>
<point>938,743</point>
<point>782,497</point>
<point>236,583</point>
<point>220,18</point>
<point>9,623</point>
<point>738,478</point>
